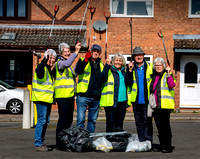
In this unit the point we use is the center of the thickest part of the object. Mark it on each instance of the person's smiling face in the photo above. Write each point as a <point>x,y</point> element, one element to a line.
<point>118,63</point>
<point>159,67</point>
<point>66,53</point>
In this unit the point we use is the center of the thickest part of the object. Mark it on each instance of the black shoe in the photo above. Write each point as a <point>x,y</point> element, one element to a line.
<point>168,150</point>
<point>156,149</point>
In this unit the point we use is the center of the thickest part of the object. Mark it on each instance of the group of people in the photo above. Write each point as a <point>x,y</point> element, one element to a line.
<point>111,86</point>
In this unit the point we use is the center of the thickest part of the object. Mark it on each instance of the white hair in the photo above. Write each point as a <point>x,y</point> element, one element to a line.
<point>118,55</point>
<point>161,60</point>
<point>62,46</point>
<point>50,52</point>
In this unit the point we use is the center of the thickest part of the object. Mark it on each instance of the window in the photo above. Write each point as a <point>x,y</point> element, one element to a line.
<point>194,9</point>
<point>131,8</point>
<point>190,73</point>
<point>13,9</point>
<point>148,58</point>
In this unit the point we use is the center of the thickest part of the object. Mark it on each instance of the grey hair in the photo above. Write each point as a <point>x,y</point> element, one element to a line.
<point>62,46</point>
<point>118,55</point>
<point>161,60</point>
<point>51,52</point>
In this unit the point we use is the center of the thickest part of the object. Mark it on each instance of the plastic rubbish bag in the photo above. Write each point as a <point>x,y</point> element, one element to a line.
<point>102,144</point>
<point>75,139</point>
<point>119,141</point>
<point>135,146</point>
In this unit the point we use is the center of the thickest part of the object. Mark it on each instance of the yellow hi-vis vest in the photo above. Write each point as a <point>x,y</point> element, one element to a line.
<point>64,84</point>
<point>132,91</point>
<point>84,79</point>
<point>42,89</point>
<point>167,95</point>
<point>107,92</point>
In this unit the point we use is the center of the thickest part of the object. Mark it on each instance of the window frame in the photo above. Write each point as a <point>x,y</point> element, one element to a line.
<point>190,10</point>
<point>125,10</point>
<point>15,17</point>
<point>126,56</point>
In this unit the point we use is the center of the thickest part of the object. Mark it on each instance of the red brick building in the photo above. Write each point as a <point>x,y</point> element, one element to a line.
<point>25,26</point>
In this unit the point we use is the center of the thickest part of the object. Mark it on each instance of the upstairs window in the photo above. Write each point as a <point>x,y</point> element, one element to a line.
<point>194,8</point>
<point>13,9</point>
<point>132,8</point>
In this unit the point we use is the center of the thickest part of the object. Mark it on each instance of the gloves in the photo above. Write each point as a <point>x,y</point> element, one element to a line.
<point>87,56</point>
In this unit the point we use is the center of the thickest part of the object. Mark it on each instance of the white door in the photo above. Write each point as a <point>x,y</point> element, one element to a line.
<point>190,81</point>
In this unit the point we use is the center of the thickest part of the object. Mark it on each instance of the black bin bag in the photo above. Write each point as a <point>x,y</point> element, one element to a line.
<point>75,139</point>
<point>119,141</point>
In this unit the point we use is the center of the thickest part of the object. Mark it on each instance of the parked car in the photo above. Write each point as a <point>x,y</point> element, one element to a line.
<point>11,98</point>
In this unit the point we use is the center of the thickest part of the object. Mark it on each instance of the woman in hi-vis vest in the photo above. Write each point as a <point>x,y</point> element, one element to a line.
<point>162,85</point>
<point>114,94</point>
<point>65,86</point>
<point>42,96</point>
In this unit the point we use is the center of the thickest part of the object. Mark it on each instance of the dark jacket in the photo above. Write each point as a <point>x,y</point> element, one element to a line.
<point>94,89</point>
<point>104,77</point>
<point>129,81</point>
<point>40,69</point>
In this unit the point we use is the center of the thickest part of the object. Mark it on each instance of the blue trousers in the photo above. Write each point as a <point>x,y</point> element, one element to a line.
<point>43,117</point>
<point>93,111</point>
<point>143,123</point>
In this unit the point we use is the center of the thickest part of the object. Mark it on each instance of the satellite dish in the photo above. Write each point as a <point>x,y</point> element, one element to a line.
<point>99,26</point>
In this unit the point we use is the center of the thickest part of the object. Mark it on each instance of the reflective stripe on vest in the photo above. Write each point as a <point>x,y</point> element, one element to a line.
<point>42,88</point>
<point>64,84</point>
<point>84,79</point>
<point>167,95</point>
<point>132,91</point>
<point>107,93</point>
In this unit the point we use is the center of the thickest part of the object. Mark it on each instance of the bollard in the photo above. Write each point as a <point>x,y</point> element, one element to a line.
<point>26,111</point>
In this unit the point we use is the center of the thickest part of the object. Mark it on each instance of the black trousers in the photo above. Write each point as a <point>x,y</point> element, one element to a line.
<point>162,120</point>
<point>65,112</point>
<point>115,117</point>
<point>143,123</point>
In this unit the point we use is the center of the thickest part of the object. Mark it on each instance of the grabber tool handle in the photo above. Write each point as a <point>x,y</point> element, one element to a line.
<point>56,10</point>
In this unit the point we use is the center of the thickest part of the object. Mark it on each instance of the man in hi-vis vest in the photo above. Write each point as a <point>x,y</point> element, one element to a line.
<point>65,85</point>
<point>88,89</point>
<point>42,96</point>
<point>137,77</point>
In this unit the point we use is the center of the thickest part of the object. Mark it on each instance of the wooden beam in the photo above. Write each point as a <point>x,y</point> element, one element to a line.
<point>73,10</point>
<point>43,9</point>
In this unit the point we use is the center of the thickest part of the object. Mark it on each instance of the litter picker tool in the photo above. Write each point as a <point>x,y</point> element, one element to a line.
<point>92,11</point>
<point>107,17</point>
<point>54,17</point>
<point>107,133</point>
<point>79,33</point>
<point>160,34</point>
<point>130,22</point>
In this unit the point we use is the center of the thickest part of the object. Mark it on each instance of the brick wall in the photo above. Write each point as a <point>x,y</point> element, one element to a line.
<point>170,16</point>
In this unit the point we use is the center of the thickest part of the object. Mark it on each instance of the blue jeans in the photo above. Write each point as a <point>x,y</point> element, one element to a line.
<point>93,111</point>
<point>43,113</point>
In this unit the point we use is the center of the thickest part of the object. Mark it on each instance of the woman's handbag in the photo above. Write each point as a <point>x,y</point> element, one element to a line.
<point>152,105</point>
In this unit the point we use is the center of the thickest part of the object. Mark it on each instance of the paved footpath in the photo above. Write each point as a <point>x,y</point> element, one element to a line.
<point>5,116</point>
<point>18,143</point>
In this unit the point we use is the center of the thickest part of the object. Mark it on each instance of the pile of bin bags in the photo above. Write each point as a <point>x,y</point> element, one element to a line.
<point>76,139</point>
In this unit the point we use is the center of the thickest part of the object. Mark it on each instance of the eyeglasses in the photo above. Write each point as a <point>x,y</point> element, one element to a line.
<point>158,65</point>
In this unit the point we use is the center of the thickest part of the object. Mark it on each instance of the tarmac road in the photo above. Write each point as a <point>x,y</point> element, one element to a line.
<point>18,143</point>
